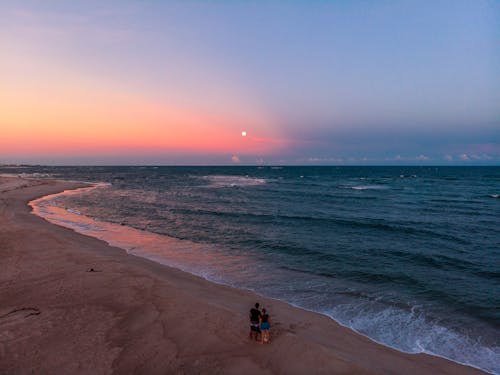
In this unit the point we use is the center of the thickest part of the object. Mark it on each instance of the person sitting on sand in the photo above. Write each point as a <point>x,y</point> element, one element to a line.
<point>255,321</point>
<point>265,335</point>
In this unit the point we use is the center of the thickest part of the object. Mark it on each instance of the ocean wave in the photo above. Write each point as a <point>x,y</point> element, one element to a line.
<point>28,175</point>
<point>410,327</point>
<point>371,224</point>
<point>439,261</point>
<point>369,187</point>
<point>233,181</point>
<point>413,331</point>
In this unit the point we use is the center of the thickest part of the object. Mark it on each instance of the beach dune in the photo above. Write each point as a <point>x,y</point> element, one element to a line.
<point>134,316</point>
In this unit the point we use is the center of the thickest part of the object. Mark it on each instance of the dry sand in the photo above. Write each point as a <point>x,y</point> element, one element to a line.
<point>139,317</point>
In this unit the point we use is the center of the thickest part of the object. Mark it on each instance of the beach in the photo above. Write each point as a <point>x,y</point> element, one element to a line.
<point>132,315</point>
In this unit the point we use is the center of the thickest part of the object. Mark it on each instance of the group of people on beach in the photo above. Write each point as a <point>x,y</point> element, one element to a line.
<point>260,324</point>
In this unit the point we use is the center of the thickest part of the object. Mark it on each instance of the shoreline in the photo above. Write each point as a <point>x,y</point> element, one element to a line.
<point>302,340</point>
<point>35,204</point>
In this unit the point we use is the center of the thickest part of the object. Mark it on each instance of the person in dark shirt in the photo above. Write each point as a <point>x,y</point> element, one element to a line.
<point>255,315</point>
<point>265,335</point>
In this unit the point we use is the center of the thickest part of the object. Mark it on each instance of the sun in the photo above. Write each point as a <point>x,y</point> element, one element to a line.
<point>243,133</point>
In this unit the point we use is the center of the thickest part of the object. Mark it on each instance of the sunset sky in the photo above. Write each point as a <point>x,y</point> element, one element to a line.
<point>311,82</point>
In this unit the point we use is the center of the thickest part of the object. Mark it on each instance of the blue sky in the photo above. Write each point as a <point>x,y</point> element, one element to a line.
<point>313,82</point>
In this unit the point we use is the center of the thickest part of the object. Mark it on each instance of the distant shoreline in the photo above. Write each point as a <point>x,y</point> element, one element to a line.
<point>451,165</point>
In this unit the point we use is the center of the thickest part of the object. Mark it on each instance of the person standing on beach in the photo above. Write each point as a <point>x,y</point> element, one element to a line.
<point>255,315</point>
<point>265,335</point>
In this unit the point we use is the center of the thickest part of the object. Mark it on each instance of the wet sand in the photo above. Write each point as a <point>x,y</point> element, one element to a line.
<point>137,316</point>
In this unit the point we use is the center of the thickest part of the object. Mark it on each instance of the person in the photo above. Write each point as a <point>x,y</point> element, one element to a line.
<point>265,335</point>
<point>255,321</point>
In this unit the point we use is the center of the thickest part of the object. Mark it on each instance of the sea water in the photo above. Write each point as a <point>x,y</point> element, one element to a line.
<point>408,256</point>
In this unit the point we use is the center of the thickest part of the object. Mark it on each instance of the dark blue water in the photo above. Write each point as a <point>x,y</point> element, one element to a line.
<point>409,256</point>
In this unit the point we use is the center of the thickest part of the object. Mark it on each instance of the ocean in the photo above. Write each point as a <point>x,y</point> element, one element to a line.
<point>407,256</point>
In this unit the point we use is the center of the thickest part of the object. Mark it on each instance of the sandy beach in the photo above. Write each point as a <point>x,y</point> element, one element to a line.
<point>135,316</point>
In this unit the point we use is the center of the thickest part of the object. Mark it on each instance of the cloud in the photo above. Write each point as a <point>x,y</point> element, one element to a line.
<point>468,157</point>
<point>235,159</point>
<point>422,157</point>
<point>481,157</point>
<point>322,160</point>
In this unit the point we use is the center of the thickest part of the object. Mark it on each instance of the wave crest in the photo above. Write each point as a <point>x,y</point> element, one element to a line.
<point>233,181</point>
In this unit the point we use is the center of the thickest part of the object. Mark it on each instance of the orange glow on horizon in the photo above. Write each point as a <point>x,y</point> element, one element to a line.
<point>81,121</point>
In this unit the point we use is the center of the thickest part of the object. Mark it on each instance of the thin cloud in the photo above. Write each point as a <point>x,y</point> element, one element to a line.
<point>481,157</point>
<point>420,157</point>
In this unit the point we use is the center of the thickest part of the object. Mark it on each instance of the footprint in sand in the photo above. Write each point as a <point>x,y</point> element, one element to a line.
<point>8,326</point>
<point>16,315</point>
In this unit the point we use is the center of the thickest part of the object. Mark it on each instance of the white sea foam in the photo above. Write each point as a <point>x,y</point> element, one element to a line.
<point>369,187</point>
<point>413,332</point>
<point>27,175</point>
<point>234,181</point>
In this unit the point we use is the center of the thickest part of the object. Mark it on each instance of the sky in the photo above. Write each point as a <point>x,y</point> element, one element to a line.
<point>310,82</point>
